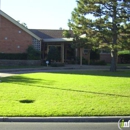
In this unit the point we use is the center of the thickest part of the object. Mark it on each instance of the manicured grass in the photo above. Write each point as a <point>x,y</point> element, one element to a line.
<point>81,93</point>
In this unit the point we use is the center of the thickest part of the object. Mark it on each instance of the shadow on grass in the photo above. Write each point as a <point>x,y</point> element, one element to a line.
<point>27,101</point>
<point>87,72</point>
<point>83,91</point>
<point>121,73</point>
<point>21,80</point>
<point>125,74</point>
<point>46,83</point>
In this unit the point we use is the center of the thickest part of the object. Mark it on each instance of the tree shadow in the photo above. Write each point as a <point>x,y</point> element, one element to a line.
<point>125,74</point>
<point>83,91</point>
<point>92,72</point>
<point>21,80</point>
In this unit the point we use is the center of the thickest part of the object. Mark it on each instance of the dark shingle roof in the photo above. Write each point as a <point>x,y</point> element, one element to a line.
<point>47,34</point>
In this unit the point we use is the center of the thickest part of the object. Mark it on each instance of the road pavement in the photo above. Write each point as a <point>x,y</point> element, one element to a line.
<point>59,126</point>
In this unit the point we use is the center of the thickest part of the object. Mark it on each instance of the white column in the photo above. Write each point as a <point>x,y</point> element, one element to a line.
<point>47,49</point>
<point>81,55</point>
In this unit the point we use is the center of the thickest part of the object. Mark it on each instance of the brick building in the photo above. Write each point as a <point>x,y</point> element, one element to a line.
<point>15,38</point>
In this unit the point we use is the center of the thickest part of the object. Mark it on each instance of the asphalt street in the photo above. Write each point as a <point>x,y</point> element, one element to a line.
<point>58,126</point>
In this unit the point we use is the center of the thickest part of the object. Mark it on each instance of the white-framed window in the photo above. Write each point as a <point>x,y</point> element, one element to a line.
<point>37,44</point>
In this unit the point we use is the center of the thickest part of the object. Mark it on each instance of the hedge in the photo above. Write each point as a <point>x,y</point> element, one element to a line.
<point>124,58</point>
<point>13,56</point>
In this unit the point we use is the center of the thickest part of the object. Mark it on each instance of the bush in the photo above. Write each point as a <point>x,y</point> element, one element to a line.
<point>101,62</point>
<point>124,52</point>
<point>54,54</point>
<point>84,61</point>
<point>57,64</point>
<point>33,54</point>
<point>13,56</point>
<point>94,55</point>
<point>124,58</point>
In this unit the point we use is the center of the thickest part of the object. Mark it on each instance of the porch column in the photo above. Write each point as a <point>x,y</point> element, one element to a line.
<point>65,50</point>
<point>62,52</point>
<point>81,55</point>
<point>47,49</point>
<point>76,55</point>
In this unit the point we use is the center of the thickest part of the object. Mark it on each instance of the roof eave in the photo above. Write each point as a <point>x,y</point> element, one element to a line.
<point>58,40</point>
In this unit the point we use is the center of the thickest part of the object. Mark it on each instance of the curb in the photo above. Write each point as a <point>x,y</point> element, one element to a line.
<point>62,119</point>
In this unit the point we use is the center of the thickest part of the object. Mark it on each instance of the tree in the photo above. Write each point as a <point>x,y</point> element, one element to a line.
<point>78,42</point>
<point>66,33</point>
<point>23,24</point>
<point>105,23</point>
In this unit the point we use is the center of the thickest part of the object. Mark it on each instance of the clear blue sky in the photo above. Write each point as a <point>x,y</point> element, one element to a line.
<point>40,14</point>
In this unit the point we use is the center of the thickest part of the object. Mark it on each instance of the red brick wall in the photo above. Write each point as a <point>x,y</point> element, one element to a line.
<point>106,57</point>
<point>103,56</point>
<point>16,42</point>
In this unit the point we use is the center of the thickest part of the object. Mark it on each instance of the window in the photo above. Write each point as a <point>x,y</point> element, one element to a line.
<point>37,44</point>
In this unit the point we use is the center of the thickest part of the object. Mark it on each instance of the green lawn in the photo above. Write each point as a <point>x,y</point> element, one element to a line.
<point>81,93</point>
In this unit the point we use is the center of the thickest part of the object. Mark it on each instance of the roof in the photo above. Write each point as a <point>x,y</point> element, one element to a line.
<point>19,25</point>
<point>51,35</point>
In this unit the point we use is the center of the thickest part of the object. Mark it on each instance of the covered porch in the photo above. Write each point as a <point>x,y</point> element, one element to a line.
<point>55,38</point>
<point>66,52</point>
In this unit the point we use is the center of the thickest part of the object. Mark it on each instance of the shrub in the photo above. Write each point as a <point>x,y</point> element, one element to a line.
<point>53,54</point>
<point>13,56</point>
<point>101,62</point>
<point>57,64</point>
<point>124,52</point>
<point>33,54</point>
<point>124,58</point>
<point>94,55</point>
<point>84,61</point>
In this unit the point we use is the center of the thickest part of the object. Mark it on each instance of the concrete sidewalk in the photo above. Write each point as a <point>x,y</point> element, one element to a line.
<point>11,72</point>
<point>64,119</point>
<point>57,68</point>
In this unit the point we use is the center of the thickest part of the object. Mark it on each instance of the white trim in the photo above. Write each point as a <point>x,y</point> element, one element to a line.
<point>18,24</point>
<point>58,40</point>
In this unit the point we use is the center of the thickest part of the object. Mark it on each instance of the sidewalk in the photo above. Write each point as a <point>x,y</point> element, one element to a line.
<point>88,67</point>
<point>57,68</point>
<point>11,72</point>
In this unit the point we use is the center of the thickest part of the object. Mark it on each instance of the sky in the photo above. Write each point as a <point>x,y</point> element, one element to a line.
<point>40,14</point>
